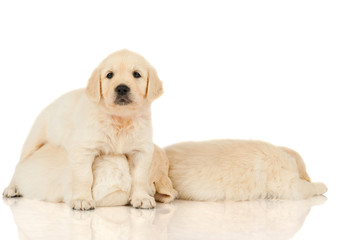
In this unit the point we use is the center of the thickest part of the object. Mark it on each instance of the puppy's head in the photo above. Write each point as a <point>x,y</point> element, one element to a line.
<point>124,81</point>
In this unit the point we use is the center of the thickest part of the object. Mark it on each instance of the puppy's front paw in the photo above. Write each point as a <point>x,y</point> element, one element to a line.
<point>82,204</point>
<point>11,192</point>
<point>142,201</point>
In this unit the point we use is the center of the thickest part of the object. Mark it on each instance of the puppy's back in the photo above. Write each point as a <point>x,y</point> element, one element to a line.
<point>45,175</point>
<point>228,169</point>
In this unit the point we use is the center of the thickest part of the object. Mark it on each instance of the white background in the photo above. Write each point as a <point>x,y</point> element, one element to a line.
<point>287,72</point>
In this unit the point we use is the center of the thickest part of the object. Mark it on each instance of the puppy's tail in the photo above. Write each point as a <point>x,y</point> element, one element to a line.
<point>300,163</point>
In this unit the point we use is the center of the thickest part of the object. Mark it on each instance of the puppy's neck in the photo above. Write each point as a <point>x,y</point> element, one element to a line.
<point>121,122</point>
<point>127,121</point>
<point>140,113</point>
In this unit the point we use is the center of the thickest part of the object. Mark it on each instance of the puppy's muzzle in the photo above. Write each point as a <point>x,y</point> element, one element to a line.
<point>122,92</point>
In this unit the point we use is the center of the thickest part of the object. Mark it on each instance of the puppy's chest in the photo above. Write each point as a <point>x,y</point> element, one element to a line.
<point>123,139</point>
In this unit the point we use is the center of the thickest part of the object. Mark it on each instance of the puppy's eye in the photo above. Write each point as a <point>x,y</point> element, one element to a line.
<point>110,75</point>
<point>136,74</point>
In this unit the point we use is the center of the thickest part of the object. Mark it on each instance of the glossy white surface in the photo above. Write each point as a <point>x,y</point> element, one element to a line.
<point>286,72</point>
<point>316,218</point>
<point>179,220</point>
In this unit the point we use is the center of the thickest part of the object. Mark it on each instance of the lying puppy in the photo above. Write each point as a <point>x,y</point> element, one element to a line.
<point>207,171</point>
<point>46,175</point>
<point>110,117</point>
<point>238,170</point>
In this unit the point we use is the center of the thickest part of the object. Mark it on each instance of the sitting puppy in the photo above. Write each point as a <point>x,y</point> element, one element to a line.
<point>110,117</point>
<point>46,175</point>
<point>238,170</point>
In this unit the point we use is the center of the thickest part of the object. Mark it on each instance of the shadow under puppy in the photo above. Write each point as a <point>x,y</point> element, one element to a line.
<point>46,175</point>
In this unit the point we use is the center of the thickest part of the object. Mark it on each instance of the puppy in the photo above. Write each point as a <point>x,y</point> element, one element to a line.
<point>46,175</point>
<point>110,117</point>
<point>238,170</point>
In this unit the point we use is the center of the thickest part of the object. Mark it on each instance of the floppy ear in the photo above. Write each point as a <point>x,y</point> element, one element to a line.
<point>158,175</point>
<point>93,90</point>
<point>154,85</point>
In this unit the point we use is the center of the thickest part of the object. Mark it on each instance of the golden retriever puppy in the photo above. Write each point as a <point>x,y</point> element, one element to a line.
<point>110,117</point>
<point>46,175</point>
<point>238,170</point>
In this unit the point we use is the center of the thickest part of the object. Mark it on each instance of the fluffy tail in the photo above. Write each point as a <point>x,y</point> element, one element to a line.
<point>300,163</point>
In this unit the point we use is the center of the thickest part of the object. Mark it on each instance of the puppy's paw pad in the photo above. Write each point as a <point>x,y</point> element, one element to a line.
<point>82,204</point>
<point>145,201</point>
<point>11,192</point>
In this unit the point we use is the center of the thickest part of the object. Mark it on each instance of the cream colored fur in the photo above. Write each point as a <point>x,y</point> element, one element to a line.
<point>238,170</point>
<point>46,175</point>
<point>88,123</point>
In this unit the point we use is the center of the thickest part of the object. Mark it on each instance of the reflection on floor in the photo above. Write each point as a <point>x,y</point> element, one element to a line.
<point>264,219</point>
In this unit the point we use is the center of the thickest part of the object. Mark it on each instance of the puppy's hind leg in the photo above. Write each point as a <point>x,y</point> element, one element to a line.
<point>304,189</point>
<point>11,191</point>
<point>35,140</point>
<point>300,163</point>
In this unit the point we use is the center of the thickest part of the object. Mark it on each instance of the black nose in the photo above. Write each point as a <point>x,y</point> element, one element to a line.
<point>122,90</point>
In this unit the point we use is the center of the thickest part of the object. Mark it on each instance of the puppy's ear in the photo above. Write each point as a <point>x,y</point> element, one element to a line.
<point>158,174</point>
<point>154,85</point>
<point>93,90</point>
